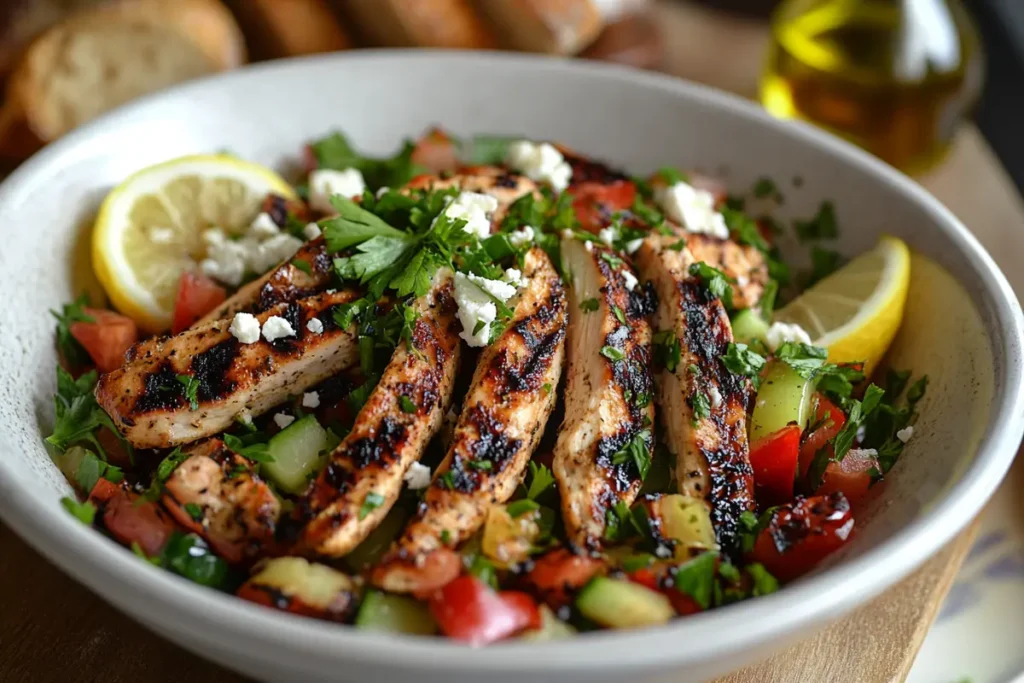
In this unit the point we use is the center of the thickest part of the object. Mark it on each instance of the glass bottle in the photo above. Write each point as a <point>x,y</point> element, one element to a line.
<point>896,77</point>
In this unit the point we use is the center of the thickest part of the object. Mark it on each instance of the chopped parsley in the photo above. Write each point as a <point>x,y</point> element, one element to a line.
<point>589,305</point>
<point>701,407</point>
<point>482,465</point>
<point>372,501</point>
<point>740,360</point>
<point>303,265</point>
<point>406,404</point>
<point>83,512</point>
<point>766,187</point>
<point>824,262</point>
<point>446,480</point>
<point>611,259</point>
<point>541,479</point>
<point>667,350</point>
<point>78,415</point>
<point>72,352</point>
<point>678,246</point>
<point>522,506</point>
<point>188,555</point>
<point>91,469</point>
<point>547,387</point>
<point>696,578</point>
<point>194,511</point>
<point>717,282</point>
<point>446,536</point>
<point>822,226</point>
<point>804,358</point>
<point>191,385</point>
<point>255,451</point>
<point>638,451</point>
<point>619,315</point>
<point>335,152</point>
<point>612,353</point>
<point>671,175</point>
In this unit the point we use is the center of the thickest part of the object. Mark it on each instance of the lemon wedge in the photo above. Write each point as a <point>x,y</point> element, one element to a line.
<point>149,228</point>
<point>856,311</point>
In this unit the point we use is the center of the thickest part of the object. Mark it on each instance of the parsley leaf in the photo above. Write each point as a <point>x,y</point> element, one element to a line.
<point>257,452</point>
<point>191,385</point>
<point>740,360</point>
<point>520,507</point>
<point>407,404</point>
<point>821,226</point>
<point>353,225</point>
<point>765,187</point>
<point>766,304</point>
<point>638,451</point>
<point>619,315</point>
<point>335,152</point>
<point>77,415</point>
<point>372,501</point>
<point>804,358</point>
<point>745,229</point>
<point>701,407</point>
<point>303,265</point>
<point>717,282</point>
<point>764,582</point>
<point>589,305</point>
<point>83,512</point>
<point>541,479</point>
<point>612,353</point>
<point>671,175</point>
<point>667,350</point>
<point>484,150</point>
<point>696,578</point>
<point>194,511</point>
<point>72,352</point>
<point>824,262</point>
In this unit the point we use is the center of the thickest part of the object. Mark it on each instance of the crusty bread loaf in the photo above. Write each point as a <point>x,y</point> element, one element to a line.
<point>418,23</point>
<point>286,28</point>
<point>103,57</point>
<point>562,27</point>
<point>23,20</point>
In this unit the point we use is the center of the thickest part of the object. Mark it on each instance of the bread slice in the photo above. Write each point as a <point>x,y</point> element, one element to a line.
<point>286,28</point>
<point>419,23</point>
<point>562,27</point>
<point>23,20</point>
<point>103,57</point>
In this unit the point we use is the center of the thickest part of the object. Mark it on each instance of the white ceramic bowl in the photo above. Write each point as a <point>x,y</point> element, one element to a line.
<point>963,326</point>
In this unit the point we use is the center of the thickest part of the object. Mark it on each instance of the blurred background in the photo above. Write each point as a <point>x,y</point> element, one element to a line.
<point>898,77</point>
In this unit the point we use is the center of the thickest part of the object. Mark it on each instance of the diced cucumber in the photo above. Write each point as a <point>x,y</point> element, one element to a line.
<point>784,397</point>
<point>747,326</point>
<point>296,451</point>
<point>395,614</point>
<point>688,521</point>
<point>376,544</point>
<point>551,628</point>
<point>622,604</point>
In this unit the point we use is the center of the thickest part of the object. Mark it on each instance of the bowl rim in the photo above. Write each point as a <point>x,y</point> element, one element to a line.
<point>227,621</point>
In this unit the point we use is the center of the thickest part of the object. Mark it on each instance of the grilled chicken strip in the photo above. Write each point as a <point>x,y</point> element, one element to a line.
<point>148,397</point>
<point>364,475</point>
<point>742,263</point>
<point>503,417</point>
<point>286,282</point>
<point>608,394</point>
<point>704,405</point>
<point>217,494</point>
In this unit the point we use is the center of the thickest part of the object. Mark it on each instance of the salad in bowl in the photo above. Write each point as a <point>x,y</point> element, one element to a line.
<point>487,388</point>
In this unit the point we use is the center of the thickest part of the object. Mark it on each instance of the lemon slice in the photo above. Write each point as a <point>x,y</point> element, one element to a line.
<point>856,311</point>
<point>149,228</point>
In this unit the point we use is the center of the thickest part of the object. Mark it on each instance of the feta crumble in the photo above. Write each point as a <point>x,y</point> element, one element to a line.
<point>514,277</point>
<point>268,254</point>
<point>326,182</point>
<point>502,291</point>
<point>521,236</point>
<point>542,163</point>
<point>905,433</point>
<point>780,333</point>
<point>474,207</point>
<point>226,260</point>
<point>589,246</point>
<point>631,281</point>
<point>263,226</point>
<point>716,397</point>
<point>276,328</point>
<point>861,453</point>
<point>663,552</point>
<point>692,208</point>
<point>315,326</point>
<point>417,476</point>
<point>311,231</point>
<point>311,399</point>
<point>608,235</point>
<point>567,234</point>
<point>161,235</point>
<point>634,245</point>
<point>282,420</point>
<point>245,328</point>
<point>476,311</point>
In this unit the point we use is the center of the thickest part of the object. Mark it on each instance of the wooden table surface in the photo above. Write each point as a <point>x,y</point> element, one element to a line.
<point>52,629</point>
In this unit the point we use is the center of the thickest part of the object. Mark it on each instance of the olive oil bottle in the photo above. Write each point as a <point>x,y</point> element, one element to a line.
<point>896,77</point>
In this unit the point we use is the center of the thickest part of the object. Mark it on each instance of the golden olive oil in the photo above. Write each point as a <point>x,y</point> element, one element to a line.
<point>895,77</point>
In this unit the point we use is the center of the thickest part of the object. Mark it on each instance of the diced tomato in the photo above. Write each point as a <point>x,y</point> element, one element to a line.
<point>596,202</point>
<point>682,603</point>
<point>437,151</point>
<point>774,460</point>
<point>851,476</point>
<point>557,575</point>
<point>820,437</point>
<point>107,338</point>
<point>197,296</point>
<point>802,533</point>
<point>117,452</point>
<point>467,609</point>
<point>309,162</point>
<point>130,520</point>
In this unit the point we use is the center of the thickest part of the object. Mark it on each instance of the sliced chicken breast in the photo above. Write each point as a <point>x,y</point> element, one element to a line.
<point>364,474</point>
<point>148,397</point>
<point>702,403</point>
<point>608,394</point>
<point>504,185</point>
<point>504,414</point>
<point>742,263</point>
<point>217,494</point>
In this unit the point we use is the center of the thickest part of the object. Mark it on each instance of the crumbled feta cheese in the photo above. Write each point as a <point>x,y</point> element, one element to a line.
<point>542,163</point>
<point>245,328</point>
<point>476,311</point>
<point>263,226</point>
<point>514,277</point>
<point>161,235</point>
<point>521,236</point>
<point>474,207</point>
<point>742,280</point>
<point>692,208</point>
<point>862,432</point>
<point>633,246</point>
<point>268,254</point>
<point>663,551</point>
<point>861,453</point>
<point>213,237</point>
<point>417,476</point>
<point>326,182</point>
<point>311,231</point>
<point>588,245</point>
<point>716,396</point>
<point>608,235</point>
<point>244,417</point>
<point>502,291</point>
<point>282,420</point>
<point>905,433</point>
<point>381,191</point>
<point>225,260</point>
<point>315,326</point>
<point>567,234</point>
<point>277,327</point>
<point>780,333</point>
<point>631,281</point>
<point>311,399</point>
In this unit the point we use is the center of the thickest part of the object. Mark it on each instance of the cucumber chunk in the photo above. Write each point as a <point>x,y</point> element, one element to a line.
<point>784,397</point>
<point>687,521</point>
<point>296,451</point>
<point>551,628</point>
<point>621,604</point>
<point>747,326</point>
<point>373,547</point>
<point>394,614</point>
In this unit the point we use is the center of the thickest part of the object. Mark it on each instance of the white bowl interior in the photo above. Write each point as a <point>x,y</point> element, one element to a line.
<point>963,327</point>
